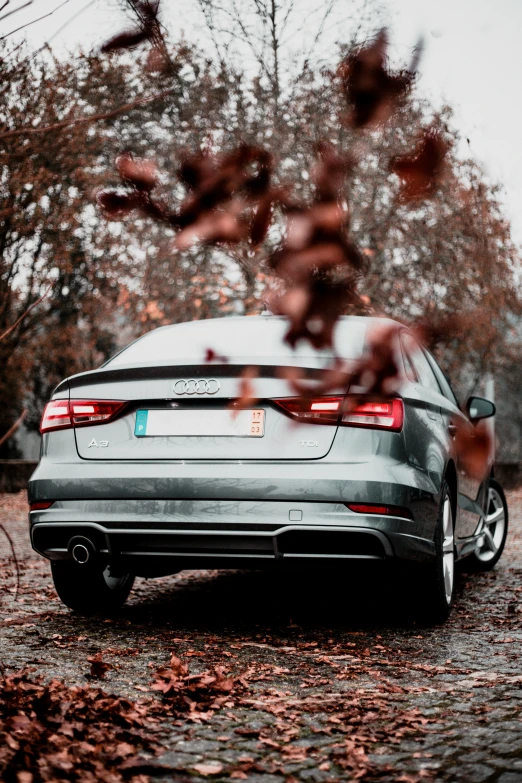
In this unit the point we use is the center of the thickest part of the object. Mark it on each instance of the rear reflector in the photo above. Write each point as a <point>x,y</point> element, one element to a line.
<point>60,414</point>
<point>348,412</point>
<point>375,508</point>
<point>41,505</point>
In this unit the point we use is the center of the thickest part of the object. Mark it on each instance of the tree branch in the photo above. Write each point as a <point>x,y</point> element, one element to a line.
<point>83,120</point>
<point>11,431</point>
<point>24,314</point>
<point>28,24</point>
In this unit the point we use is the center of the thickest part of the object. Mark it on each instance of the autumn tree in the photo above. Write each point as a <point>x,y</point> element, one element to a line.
<point>71,287</point>
<point>429,258</point>
<point>425,259</point>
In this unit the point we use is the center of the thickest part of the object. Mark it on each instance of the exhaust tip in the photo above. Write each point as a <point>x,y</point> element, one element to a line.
<point>82,549</point>
<point>80,553</point>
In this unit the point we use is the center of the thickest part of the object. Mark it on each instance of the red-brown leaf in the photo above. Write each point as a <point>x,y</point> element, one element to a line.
<point>126,40</point>
<point>421,172</point>
<point>372,92</point>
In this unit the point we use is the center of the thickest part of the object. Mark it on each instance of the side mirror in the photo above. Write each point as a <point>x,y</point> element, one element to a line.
<point>479,408</point>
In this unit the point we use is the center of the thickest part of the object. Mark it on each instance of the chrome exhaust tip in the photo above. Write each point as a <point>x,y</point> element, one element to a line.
<point>80,553</point>
<point>82,549</point>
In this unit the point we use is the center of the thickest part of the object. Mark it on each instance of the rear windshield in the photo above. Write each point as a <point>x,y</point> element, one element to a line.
<point>241,340</point>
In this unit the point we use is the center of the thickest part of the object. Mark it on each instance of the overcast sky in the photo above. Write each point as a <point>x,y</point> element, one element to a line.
<point>472,59</point>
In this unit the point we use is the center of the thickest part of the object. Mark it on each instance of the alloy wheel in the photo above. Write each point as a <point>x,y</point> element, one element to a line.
<point>448,549</point>
<point>494,525</point>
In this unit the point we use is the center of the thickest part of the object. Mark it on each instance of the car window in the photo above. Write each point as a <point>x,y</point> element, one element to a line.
<point>408,364</point>
<point>443,381</point>
<point>419,362</point>
<point>257,339</point>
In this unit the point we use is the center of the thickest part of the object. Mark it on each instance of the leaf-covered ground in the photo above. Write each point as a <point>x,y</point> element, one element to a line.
<point>216,675</point>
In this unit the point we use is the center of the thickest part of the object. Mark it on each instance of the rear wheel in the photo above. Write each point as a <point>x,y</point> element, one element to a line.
<point>90,589</point>
<point>439,578</point>
<point>494,531</point>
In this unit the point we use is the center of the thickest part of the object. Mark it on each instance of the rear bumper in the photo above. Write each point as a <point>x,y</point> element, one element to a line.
<point>379,478</point>
<point>234,514</point>
<point>163,536</point>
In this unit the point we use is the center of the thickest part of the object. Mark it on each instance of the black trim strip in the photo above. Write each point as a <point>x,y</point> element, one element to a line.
<point>179,370</point>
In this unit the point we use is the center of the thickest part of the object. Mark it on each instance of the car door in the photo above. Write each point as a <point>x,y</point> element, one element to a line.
<point>471,496</point>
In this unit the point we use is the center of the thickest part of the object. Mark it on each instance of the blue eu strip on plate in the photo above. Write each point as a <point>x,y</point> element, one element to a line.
<point>140,430</point>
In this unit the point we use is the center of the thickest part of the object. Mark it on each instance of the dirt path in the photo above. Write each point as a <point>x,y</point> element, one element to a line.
<point>334,682</point>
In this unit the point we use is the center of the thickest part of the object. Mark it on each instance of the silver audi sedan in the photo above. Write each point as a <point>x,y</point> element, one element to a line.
<point>158,462</point>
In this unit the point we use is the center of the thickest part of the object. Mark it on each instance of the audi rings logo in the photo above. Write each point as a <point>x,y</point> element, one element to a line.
<point>197,386</point>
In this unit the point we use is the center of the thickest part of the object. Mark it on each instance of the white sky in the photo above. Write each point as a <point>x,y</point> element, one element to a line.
<point>472,59</point>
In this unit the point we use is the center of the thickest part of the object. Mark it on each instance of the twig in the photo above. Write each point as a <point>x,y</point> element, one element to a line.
<point>63,26</point>
<point>12,429</point>
<point>12,51</point>
<point>15,559</point>
<point>83,120</point>
<point>13,326</point>
<point>15,10</point>
<point>28,24</point>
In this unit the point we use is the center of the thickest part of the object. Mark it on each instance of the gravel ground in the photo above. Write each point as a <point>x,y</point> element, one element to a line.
<point>337,681</point>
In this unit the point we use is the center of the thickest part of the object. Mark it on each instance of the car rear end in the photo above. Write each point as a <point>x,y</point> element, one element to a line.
<point>157,462</point>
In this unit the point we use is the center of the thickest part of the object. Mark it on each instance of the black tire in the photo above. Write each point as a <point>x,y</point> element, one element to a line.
<point>481,560</point>
<point>438,578</point>
<point>90,589</point>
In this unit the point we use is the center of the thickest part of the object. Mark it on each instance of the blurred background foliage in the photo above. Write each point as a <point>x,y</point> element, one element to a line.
<point>108,282</point>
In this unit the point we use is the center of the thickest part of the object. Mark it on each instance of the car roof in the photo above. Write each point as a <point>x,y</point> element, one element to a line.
<point>269,317</point>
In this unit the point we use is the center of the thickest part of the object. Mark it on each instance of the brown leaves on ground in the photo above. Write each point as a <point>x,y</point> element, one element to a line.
<point>421,171</point>
<point>371,90</point>
<point>210,768</point>
<point>99,667</point>
<point>197,694</point>
<point>52,732</point>
<point>356,721</point>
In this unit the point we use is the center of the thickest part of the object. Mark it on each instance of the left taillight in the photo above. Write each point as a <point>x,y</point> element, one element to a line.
<point>60,414</point>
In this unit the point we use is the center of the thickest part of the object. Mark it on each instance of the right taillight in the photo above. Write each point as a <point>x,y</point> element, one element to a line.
<point>346,411</point>
<point>320,410</point>
<point>377,414</point>
<point>60,414</point>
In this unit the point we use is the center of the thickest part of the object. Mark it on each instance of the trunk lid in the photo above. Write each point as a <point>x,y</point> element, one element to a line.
<point>200,397</point>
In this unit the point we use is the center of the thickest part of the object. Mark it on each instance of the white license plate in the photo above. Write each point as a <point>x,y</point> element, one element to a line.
<point>202,423</point>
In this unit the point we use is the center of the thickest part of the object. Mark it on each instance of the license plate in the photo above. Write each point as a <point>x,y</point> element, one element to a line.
<point>203,423</point>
